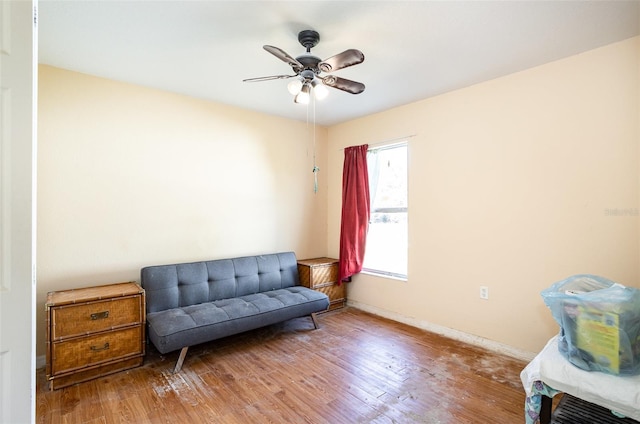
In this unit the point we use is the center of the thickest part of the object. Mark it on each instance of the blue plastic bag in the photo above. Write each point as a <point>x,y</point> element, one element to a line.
<point>599,323</point>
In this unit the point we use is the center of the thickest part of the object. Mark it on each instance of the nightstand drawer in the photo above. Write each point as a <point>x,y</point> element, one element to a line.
<point>94,331</point>
<point>322,274</point>
<point>337,294</point>
<point>317,272</point>
<point>86,351</point>
<point>93,317</point>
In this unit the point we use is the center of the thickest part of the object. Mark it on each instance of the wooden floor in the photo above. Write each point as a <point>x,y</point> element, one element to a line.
<point>357,368</point>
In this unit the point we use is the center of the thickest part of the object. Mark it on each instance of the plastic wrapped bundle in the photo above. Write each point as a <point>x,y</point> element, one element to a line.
<point>599,323</point>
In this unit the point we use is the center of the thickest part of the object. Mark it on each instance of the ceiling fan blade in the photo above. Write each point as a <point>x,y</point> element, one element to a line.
<point>284,56</point>
<point>341,60</point>
<point>343,84</point>
<point>273,77</point>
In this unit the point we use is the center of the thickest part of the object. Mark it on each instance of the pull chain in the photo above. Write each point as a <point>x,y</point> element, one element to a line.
<point>315,168</point>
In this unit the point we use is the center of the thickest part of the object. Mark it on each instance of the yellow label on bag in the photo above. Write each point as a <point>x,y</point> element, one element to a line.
<point>598,333</point>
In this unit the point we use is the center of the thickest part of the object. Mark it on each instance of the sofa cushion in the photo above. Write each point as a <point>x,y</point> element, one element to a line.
<point>175,328</point>
<point>178,285</point>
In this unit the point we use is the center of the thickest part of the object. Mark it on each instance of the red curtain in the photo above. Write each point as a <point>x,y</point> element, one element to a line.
<point>355,210</point>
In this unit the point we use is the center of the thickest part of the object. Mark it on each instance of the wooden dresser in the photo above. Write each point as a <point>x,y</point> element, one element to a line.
<point>322,274</point>
<point>94,331</point>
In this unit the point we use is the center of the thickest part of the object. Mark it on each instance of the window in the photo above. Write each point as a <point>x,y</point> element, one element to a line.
<point>386,250</point>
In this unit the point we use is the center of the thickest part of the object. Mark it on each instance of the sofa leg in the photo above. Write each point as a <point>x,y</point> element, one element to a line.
<point>183,353</point>
<point>315,320</point>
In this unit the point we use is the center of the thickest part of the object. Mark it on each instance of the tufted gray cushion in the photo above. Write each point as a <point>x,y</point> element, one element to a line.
<point>197,302</point>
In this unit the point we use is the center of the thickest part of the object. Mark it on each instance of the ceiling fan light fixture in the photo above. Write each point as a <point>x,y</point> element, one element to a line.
<point>294,86</point>
<point>319,90</point>
<point>303,96</point>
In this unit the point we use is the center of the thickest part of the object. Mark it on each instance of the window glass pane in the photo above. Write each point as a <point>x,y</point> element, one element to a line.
<point>390,189</point>
<point>386,250</point>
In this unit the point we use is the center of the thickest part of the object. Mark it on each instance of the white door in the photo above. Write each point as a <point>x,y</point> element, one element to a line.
<point>18,93</point>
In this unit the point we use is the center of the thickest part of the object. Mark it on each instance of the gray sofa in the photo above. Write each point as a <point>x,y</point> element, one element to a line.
<point>192,303</point>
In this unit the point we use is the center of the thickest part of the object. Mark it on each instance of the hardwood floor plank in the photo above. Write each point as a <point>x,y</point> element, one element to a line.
<point>356,368</point>
<point>352,410</point>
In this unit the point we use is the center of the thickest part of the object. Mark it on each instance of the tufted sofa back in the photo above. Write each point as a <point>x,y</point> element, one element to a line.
<point>178,285</point>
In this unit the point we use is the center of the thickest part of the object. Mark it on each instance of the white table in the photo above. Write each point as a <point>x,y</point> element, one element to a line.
<point>620,394</point>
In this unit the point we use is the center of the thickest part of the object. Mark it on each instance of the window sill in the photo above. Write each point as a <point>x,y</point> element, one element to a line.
<point>384,275</point>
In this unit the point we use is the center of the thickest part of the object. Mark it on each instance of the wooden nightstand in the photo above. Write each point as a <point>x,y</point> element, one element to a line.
<point>322,274</point>
<point>94,331</point>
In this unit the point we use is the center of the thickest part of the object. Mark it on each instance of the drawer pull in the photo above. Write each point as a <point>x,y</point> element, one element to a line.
<point>100,315</point>
<point>98,349</point>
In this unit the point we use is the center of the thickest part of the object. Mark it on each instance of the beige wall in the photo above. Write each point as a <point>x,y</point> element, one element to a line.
<point>510,184</point>
<point>129,176</point>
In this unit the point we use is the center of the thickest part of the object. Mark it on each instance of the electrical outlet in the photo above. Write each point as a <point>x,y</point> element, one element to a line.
<point>484,292</point>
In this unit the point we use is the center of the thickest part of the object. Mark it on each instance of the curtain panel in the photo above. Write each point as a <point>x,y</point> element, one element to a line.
<point>355,210</point>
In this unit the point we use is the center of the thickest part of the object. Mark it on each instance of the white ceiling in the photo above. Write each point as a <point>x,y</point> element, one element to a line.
<point>413,50</point>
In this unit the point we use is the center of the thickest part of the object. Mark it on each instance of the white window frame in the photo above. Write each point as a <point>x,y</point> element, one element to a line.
<point>385,272</point>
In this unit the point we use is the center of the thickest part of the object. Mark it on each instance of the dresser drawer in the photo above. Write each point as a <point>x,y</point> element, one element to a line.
<point>81,352</point>
<point>92,317</point>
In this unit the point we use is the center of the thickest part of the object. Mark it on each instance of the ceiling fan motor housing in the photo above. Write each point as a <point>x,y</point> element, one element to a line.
<point>309,62</point>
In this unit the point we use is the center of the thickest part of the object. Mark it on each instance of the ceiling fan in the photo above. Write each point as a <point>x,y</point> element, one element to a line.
<point>308,68</point>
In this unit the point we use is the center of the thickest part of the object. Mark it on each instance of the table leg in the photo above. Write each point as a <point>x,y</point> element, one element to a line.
<point>545,410</point>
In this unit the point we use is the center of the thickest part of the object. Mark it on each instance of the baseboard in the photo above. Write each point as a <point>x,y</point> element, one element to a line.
<point>447,332</point>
